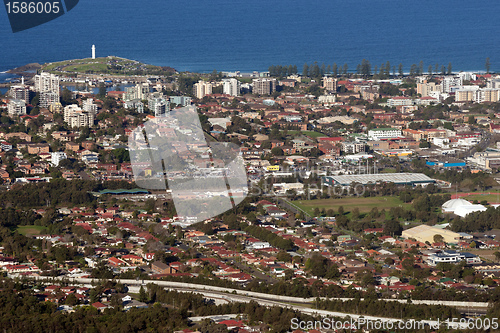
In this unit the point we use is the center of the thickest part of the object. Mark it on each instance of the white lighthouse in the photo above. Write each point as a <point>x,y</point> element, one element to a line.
<point>93,51</point>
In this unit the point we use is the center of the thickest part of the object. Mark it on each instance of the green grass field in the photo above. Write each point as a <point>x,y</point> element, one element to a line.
<point>30,230</point>
<point>363,204</point>
<point>491,198</point>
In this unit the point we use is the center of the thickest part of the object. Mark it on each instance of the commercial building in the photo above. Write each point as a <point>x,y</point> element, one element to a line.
<point>450,256</point>
<point>283,188</point>
<point>396,178</point>
<point>399,101</point>
<point>424,233</point>
<point>353,147</point>
<point>384,133</point>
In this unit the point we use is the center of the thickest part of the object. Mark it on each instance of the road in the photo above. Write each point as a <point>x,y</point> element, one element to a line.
<point>236,295</point>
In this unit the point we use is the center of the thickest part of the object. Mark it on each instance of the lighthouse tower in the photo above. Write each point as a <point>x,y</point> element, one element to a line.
<point>93,51</point>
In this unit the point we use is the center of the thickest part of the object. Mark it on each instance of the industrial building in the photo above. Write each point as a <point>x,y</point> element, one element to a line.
<point>424,233</point>
<point>396,178</point>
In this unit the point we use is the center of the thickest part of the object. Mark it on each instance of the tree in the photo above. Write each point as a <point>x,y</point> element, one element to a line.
<point>430,70</point>
<point>277,151</point>
<point>424,144</point>
<point>305,70</point>
<point>102,90</point>
<point>335,70</point>
<point>355,213</point>
<point>366,68</point>
<point>143,297</point>
<point>438,238</point>
<point>487,65</point>
<point>497,255</point>
<point>449,68</point>
<point>400,69</point>
<point>344,69</point>
<point>36,100</point>
<point>392,227</point>
<point>413,70</point>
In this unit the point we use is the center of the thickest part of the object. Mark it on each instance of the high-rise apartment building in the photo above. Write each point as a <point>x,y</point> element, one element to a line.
<point>89,106</point>
<point>487,95</point>
<point>202,88</point>
<point>159,106</point>
<point>180,100</point>
<point>16,107</point>
<point>264,86</point>
<point>330,83</point>
<point>231,87</point>
<point>139,91</point>
<point>21,92</point>
<point>76,117</point>
<point>47,85</point>
<point>449,82</point>
<point>425,88</point>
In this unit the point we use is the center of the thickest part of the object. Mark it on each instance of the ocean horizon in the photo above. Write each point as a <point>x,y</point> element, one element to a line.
<point>236,35</point>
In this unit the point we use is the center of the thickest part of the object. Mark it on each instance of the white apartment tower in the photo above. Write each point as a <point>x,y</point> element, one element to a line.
<point>48,86</point>
<point>57,157</point>
<point>231,87</point>
<point>89,106</point>
<point>202,88</point>
<point>159,106</point>
<point>16,107</point>
<point>76,117</point>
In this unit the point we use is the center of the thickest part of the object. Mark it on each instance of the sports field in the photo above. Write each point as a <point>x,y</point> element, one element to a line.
<point>363,204</point>
<point>30,230</point>
<point>491,197</point>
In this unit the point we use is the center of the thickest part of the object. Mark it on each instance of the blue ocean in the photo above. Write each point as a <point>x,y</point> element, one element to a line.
<point>228,35</point>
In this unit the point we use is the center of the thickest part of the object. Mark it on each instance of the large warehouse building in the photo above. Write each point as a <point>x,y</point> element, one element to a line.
<point>424,233</point>
<point>396,178</point>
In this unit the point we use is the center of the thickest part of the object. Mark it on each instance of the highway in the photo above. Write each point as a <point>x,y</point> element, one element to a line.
<point>221,295</point>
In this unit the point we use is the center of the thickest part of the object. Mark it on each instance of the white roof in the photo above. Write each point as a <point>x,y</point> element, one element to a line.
<point>453,204</point>
<point>463,211</point>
